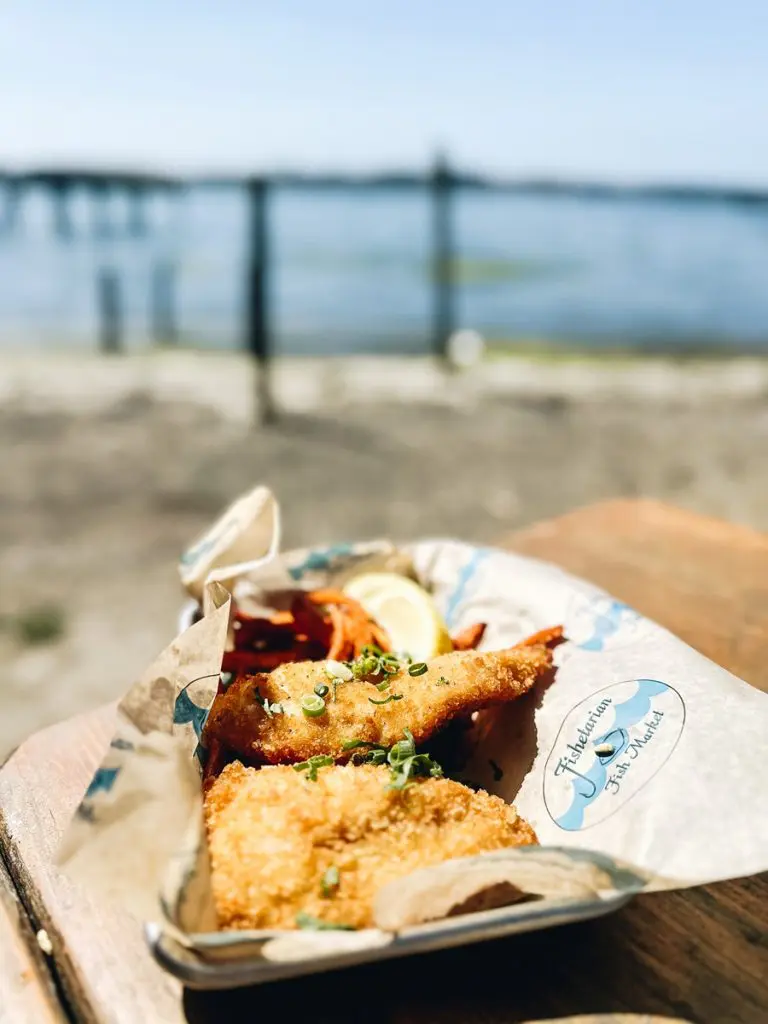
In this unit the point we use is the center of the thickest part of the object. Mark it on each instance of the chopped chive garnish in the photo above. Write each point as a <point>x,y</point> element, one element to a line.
<point>418,668</point>
<point>391,697</point>
<point>372,661</point>
<point>381,687</point>
<point>338,670</point>
<point>330,881</point>
<point>321,690</point>
<point>354,744</point>
<point>313,924</point>
<point>269,709</point>
<point>404,763</point>
<point>311,766</point>
<point>312,705</point>
<point>442,681</point>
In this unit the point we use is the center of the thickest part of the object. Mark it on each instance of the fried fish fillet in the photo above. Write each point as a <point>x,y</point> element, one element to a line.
<point>283,845</point>
<point>453,685</point>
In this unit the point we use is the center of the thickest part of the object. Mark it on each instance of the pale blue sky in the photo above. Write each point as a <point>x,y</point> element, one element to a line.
<point>618,89</point>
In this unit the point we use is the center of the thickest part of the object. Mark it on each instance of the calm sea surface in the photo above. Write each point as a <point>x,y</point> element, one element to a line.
<point>351,270</point>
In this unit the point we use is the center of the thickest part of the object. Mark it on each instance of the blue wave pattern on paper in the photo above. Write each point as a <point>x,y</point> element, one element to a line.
<point>588,786</point>
<point>465,576</point>
<point>103,780</point>
<point>320,560</point>
<point>186,711</point>
<point>608,623</point>
<point>631,711</point>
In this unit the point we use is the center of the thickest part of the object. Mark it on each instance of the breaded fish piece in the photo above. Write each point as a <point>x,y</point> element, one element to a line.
<point>282,845</point>
<point>453,685</point>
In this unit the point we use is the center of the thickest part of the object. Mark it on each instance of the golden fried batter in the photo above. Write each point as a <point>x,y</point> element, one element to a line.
<point>454,685</point>
<point>282,844</point>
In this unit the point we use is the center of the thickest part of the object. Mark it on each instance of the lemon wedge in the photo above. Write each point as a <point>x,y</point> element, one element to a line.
<point>405,611</point>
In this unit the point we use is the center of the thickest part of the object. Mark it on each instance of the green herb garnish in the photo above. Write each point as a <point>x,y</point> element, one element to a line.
<point>321,690</point>
<point>442,681</point>
<point>367,663</point>
<point>391,697</point>
<point>405,764</point>
<point>355,744</point>
<point>312,705</point>
<point>381,687</point>
<point>330,882</point>
<point>313,924</point>
<point>372,661</point>
<point>418,668</point>
<point>311,766</point>
<point>269,709</point>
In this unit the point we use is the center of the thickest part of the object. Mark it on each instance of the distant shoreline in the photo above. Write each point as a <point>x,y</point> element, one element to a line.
<point>528,185</point>
<point>78,383</point>
<point>608,351</point>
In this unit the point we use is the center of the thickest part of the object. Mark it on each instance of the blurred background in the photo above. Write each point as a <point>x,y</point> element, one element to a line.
<point>425,269</point>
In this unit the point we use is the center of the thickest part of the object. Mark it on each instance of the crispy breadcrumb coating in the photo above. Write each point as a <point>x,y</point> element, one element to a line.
<point>283,845</point>
<point>454,685</point>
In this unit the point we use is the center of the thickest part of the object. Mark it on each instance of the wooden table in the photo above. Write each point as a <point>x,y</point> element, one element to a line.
<point>700,955</point>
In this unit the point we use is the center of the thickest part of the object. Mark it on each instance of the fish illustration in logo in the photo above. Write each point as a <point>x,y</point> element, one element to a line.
<point>617,740</point>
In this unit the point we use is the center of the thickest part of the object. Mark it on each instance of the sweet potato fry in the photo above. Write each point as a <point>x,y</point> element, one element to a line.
<point>352,626</point>
<point>550,637</point>
<point>248,662</point>
<point>339,649</point>
<point>380,638</point>
<point>308,620</point>
<point>218,757</point>
<point>263,634</point>
<point>322,624</point>
<point>469,638</point>
<point>328,595</point>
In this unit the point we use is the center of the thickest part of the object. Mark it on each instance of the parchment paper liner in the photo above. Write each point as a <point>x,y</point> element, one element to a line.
<point>690,805</point>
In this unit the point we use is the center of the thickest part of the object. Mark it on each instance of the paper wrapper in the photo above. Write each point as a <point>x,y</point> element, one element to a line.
<point>679,799</point>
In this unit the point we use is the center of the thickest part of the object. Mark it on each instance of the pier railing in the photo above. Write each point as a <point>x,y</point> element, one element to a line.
<point>257,329</point>
<point>257,332</point>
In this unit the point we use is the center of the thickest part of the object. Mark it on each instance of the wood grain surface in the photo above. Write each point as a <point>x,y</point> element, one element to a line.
<point>27,993</point>
<point>704,579</point>
<point>699,955</point>
<point>99,952</point>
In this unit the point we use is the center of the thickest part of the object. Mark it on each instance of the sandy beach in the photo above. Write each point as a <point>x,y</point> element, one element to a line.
<point>112,466</point>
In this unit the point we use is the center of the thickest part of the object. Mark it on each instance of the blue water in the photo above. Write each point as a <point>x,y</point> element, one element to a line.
<point>351,270</point>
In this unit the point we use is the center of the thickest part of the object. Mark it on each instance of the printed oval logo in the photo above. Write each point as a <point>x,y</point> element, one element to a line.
<point>608,747</point>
